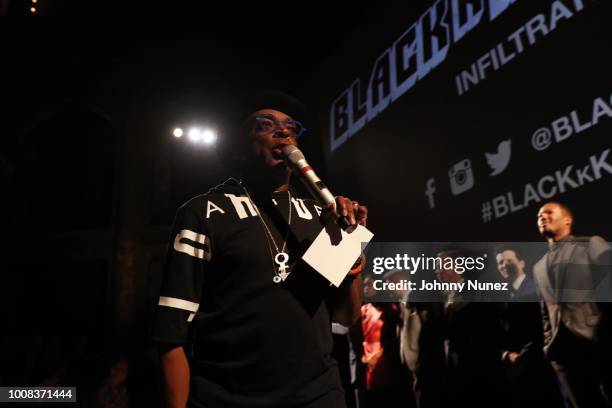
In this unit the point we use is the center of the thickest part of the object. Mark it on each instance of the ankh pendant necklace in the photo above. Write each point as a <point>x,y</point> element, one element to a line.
<point>281,259</point>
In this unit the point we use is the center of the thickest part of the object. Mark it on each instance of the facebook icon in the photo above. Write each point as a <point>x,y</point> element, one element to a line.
<point>429,192</point>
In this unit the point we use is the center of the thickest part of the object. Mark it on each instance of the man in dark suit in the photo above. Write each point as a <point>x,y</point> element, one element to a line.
<point>511,267</point>
<point>576,329</point>
<point>422,333</point>
<point>442,343</point>
<point>530,378</point>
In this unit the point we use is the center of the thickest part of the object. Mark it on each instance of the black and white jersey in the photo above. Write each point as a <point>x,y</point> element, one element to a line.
<point>255,342</point>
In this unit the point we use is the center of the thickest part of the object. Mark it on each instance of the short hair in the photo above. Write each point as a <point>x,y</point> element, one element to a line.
<point>451,252</point>
<point>564,208</point>
<point>504,247</point>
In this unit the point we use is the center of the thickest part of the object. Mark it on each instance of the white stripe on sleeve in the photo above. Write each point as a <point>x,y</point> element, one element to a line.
<point>189,249</point>
<point>178,304</point>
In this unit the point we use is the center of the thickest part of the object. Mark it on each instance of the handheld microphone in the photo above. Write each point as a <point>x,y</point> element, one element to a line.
<point>296,160</point>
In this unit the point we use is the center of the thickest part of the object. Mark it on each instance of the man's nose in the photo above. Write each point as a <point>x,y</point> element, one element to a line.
<point>282,133</point>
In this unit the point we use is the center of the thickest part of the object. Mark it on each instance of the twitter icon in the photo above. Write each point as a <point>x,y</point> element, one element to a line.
<point>500,160</point>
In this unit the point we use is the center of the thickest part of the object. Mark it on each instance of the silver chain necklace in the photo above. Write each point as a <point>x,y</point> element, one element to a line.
<point>281,258</point>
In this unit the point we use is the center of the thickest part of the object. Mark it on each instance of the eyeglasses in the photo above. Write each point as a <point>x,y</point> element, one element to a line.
<point>269,123</point>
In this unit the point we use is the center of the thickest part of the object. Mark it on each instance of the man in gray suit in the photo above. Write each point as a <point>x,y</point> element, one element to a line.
<point>576,332</point>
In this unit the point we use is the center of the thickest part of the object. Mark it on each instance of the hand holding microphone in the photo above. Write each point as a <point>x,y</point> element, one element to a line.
<point>348,214</point>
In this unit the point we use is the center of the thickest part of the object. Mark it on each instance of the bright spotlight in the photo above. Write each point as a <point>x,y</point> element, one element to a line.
<point>209,137</point>
<point>195,134</point>
<point>178,132</point>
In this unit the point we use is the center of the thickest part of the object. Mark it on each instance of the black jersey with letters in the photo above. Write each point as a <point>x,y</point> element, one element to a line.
<point>254,342</point>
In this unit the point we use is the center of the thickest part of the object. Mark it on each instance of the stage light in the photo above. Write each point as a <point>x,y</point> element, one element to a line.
<point>34,1</point>
<point>33,9</point>
<point>208,136</point>
<point>197,135</point>
<point>194,134</point>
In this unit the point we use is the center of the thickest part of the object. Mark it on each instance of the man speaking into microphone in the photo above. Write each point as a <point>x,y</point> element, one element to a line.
<point>241,321</point>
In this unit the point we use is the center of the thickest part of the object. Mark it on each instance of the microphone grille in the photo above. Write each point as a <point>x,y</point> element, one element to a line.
<point>293,154</point>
